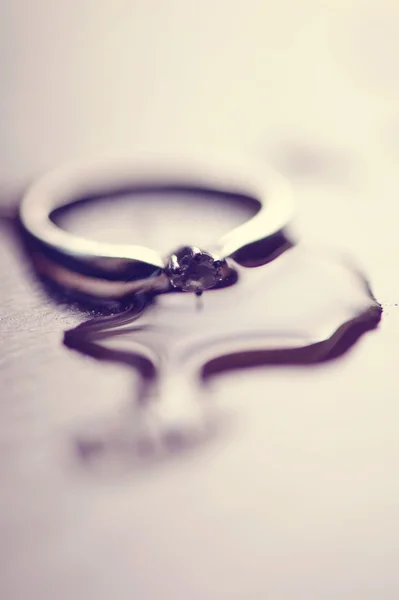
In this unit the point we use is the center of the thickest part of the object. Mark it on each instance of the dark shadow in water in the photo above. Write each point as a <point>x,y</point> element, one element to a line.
<point>334,347</point>
<point>265,251</point>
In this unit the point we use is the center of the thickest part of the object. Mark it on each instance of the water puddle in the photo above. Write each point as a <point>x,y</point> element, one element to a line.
<point>307,306</point>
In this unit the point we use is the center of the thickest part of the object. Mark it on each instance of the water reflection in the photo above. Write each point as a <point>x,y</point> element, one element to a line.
<point>307,307</point>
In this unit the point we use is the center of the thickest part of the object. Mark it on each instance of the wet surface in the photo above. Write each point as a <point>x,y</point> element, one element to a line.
<point>306,307</point>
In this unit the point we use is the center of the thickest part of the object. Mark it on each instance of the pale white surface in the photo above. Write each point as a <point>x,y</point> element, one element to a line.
<point>301,500</point>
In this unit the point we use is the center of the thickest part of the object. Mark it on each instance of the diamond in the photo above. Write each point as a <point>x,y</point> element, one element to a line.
<point>193,270</point>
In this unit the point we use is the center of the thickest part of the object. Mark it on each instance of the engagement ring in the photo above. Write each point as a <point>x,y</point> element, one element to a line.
<point>188,268</point>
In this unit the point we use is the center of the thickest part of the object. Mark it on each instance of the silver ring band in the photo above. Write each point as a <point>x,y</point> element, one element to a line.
<point>117,262</point>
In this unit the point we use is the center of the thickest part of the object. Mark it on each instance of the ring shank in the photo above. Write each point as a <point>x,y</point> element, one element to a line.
<point>69,184</point>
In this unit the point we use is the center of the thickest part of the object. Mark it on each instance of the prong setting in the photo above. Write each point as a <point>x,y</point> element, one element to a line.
<point>191,269</point>
<point>174,265</point>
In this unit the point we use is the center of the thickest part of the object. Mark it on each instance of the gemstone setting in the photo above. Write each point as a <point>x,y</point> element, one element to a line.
<point>191,269</point>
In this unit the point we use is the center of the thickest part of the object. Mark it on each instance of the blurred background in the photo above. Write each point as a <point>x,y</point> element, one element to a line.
<point>302,501</point>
